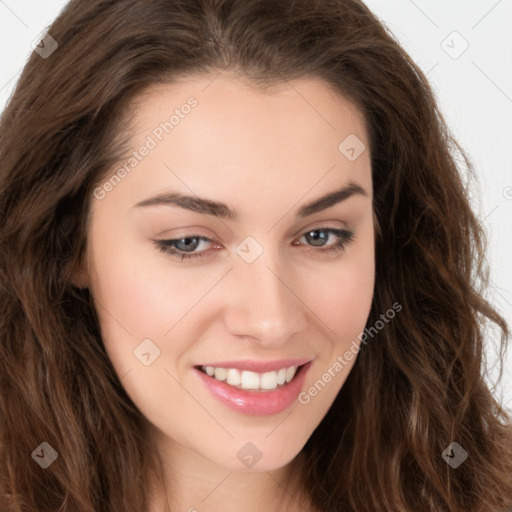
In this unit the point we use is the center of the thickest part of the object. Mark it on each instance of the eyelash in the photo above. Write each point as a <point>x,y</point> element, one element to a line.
<point>344,238</point>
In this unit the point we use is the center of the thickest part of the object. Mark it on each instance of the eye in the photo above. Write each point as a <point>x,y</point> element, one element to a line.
<point>319,237</point>
<point>185,248</point>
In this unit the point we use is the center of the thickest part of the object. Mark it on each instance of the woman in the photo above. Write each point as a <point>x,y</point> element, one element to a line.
<point>239,270</point>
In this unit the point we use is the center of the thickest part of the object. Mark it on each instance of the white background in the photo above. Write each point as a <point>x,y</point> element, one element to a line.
<point>474,90</point>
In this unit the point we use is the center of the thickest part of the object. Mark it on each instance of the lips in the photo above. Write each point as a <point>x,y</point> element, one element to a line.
<point>259,401</point>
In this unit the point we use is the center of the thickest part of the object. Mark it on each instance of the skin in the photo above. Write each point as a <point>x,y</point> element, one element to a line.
<point>264,154</point>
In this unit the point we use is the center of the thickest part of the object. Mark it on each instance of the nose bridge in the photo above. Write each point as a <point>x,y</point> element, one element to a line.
<point>262,301</point>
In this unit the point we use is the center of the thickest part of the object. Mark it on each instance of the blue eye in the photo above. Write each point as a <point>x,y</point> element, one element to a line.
<point>184,248</point>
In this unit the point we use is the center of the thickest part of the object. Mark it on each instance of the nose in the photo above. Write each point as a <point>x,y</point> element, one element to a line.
<point>263,303</point>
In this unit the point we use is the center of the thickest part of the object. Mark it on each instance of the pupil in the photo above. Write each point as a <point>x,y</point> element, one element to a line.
<point>188,246</point>
<point>316,238</point>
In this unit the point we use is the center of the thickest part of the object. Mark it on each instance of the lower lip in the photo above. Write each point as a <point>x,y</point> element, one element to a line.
<point>256,403</point>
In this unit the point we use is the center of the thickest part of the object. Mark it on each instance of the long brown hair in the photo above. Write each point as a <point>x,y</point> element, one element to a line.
<point>416,387</point>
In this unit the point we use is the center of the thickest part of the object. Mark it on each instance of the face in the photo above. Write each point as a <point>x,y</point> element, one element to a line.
<point>229,315</point>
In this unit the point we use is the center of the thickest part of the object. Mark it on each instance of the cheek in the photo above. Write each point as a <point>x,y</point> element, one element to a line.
<point>343,303</point>
<point>137,301</point>
<point>138,290</point>
<point>343,294</point>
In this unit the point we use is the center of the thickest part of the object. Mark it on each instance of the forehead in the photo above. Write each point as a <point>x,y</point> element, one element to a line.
<point>215,133</point>
<point>306,108</point>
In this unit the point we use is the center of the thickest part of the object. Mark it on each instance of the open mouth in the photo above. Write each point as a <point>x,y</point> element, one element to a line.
<point>255,393</point>
<point>253,381</point>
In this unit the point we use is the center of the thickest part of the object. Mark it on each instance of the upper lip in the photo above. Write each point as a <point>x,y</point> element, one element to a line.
<point>258,366</point>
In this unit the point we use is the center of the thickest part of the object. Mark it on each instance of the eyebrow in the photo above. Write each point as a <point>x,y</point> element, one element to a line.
<point>222,210</point>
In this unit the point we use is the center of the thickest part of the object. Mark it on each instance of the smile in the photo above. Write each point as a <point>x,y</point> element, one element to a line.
<point>255,393</point>
<point>251,380</point>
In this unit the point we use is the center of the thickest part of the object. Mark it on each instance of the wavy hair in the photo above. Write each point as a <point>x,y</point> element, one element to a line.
<point>415,388</point>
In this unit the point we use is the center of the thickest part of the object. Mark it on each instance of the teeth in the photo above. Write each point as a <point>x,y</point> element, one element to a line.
<point>220,373</point>
<point>233,377</point>
<point>269,380</point>
<point>251,380</point>
<point>290,372</point>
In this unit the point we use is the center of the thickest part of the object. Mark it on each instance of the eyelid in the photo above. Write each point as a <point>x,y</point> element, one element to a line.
<point>312,226</point>
<point>344,237</point>
<point>195,231</point>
